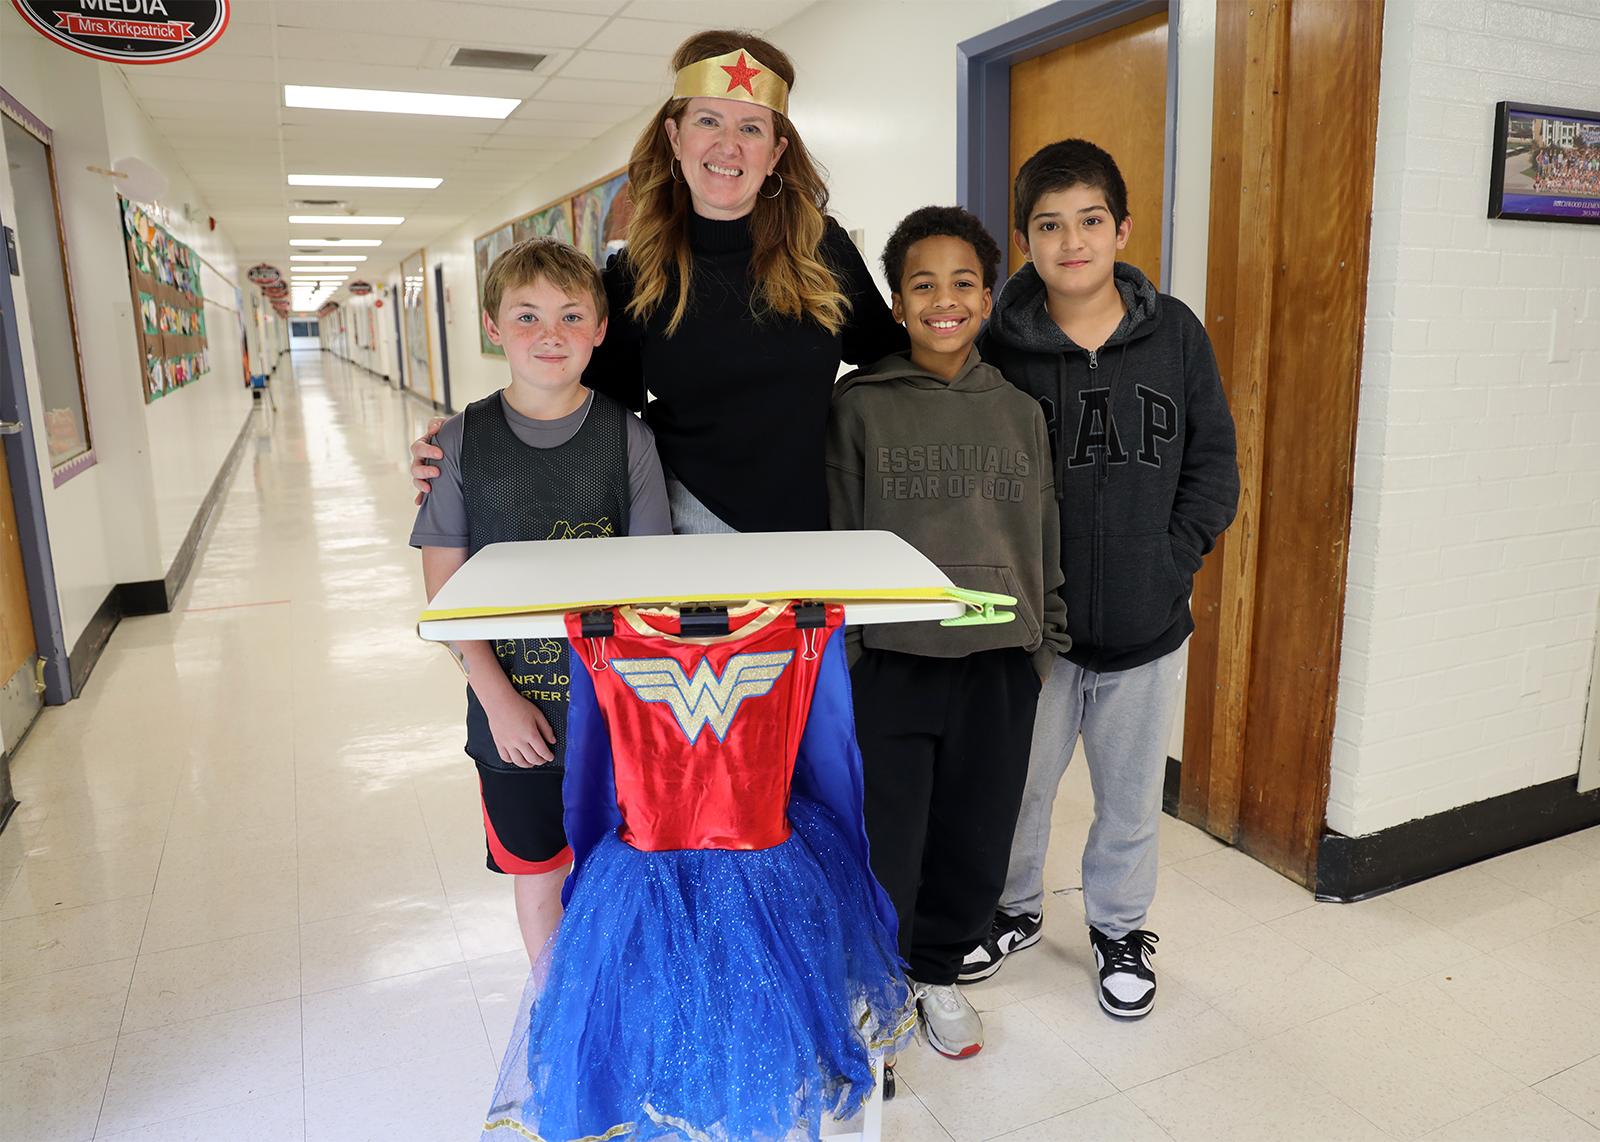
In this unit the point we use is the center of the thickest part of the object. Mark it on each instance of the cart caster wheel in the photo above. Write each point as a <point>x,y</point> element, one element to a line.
<point>888,1082</point>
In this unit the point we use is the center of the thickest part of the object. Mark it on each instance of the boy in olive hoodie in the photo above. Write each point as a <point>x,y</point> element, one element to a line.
<point>936,447</point>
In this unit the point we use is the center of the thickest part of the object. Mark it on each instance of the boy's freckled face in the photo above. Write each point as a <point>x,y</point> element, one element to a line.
<point>548,334</point>
<point>1073,240</point>
<point>941,296</point>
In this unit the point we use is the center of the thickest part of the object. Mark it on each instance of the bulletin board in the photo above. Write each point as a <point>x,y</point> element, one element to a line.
<point>593,218</point>
<point>169,307</point>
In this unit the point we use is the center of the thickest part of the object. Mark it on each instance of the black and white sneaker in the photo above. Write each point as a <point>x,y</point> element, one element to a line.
<point>1008,934</point>
<point>1127,981</point>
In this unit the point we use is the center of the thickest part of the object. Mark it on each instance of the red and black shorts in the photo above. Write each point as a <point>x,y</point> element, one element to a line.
<point>522,818</point>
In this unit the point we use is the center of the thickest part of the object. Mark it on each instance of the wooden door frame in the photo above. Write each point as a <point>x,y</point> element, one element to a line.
<point>983,102</point>
<point>22,464</point>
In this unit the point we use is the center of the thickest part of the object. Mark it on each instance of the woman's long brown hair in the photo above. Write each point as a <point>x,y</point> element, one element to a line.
<point>791,278</point>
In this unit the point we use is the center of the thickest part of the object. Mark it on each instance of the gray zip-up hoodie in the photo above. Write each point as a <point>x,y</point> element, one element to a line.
<point>960,470</point>
<point>1144,460</point>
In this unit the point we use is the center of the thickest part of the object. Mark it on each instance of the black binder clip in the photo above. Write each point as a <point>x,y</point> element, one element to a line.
<point>810,616</point>
<point>702,622</point>
<point>597,624</point>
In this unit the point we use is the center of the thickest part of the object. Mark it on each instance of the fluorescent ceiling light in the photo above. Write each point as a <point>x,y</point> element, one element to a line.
<point>327,257</point>
<point>347,220</point>
<point>403,182</point>
<point>398,102</point>
<point>329,272</point>
<point>335,242</point>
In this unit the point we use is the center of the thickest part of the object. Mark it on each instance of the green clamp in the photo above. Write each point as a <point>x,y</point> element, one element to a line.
<point>985,603</point>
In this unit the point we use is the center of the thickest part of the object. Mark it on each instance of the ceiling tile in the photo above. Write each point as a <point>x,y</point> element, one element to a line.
<point>648,37</point>
<point>212,64</point>
<point>617,66</point>
<point>634,95</point>
<point>590,7</point>
<point>443,19</point>
<point>539,109</point>
<point>759,14</point>
<point>169,113</point>
<point>156,87</point>
<point>351,47</point>
<point>385,77</point>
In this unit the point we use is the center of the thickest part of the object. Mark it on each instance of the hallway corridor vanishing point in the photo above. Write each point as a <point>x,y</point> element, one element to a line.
<point>245,896</point>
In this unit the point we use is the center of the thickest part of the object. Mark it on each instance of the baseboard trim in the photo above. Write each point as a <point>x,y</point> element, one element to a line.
<point>92,641</point>
<point>153,596</point>
<point>384,377</point>
<point>183,561</point>
<point>429,401</point>
<point>1356,868</point>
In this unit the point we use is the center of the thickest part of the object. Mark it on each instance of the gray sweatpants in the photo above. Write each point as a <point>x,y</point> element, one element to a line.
<point>1125,718</point>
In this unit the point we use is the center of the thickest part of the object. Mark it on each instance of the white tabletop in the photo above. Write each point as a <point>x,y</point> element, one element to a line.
<point>523,590</point>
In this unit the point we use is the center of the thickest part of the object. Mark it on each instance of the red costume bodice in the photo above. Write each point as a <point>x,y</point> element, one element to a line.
<point>704,731</point>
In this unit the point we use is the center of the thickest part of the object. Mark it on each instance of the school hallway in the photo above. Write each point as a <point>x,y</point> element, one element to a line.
<point>245,896</point>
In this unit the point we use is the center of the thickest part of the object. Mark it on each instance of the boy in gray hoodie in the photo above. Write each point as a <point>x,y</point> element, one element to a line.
<point>936,447</point>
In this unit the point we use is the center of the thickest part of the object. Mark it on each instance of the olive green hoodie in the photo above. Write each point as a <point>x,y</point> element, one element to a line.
<point>960,470</point>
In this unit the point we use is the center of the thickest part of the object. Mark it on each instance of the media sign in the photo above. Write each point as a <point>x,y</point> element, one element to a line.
<point>128,31</point>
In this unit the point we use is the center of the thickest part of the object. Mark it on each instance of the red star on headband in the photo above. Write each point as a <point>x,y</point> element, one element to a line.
<point>741,74</point>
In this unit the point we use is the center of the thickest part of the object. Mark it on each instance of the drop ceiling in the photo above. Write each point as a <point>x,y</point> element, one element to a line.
<point>223,112</point>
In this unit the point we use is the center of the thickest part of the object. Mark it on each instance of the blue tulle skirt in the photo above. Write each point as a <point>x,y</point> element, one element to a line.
<point>706,994</point>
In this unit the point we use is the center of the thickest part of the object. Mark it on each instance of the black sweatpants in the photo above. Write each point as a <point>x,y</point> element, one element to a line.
<point>944,747</point>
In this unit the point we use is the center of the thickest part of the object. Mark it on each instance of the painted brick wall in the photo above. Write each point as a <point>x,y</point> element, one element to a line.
<point>1474,570</point>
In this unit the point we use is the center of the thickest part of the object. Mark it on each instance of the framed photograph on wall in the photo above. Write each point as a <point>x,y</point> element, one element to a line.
<point>1545,166</point>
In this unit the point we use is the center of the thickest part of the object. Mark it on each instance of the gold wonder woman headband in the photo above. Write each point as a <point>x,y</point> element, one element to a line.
<point>734,76</point>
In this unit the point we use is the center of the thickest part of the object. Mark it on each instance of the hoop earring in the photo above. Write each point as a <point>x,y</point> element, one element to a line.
<point>676,177</point>
<point>777,192</point>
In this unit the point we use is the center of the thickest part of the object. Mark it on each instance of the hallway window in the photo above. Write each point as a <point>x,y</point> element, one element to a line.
<point>41,246</point>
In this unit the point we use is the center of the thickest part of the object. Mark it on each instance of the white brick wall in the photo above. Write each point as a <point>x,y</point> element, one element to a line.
<point>1474,572</point>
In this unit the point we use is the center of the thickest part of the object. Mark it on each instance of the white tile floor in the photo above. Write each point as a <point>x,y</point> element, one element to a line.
<point>244,897</point>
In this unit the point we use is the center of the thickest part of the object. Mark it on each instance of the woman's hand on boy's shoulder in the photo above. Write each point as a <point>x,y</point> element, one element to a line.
<point>422,450</point>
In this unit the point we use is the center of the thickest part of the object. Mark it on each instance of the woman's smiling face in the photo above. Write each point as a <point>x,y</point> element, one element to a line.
<point>726,148</point>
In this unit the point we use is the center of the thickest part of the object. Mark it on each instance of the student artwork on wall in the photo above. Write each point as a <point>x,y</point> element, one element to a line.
<point>593,218</point>
<point>600,217</point>
<point>164,275</point>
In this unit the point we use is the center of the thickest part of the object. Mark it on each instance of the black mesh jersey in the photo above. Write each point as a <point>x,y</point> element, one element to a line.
<point>576,490</point>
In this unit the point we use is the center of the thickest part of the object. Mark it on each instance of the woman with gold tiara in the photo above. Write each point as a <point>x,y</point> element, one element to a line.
<point>726,967</point>
<point>735,300</point>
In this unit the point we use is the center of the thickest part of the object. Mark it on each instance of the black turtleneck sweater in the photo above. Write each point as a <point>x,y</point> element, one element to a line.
<point>741,405</point>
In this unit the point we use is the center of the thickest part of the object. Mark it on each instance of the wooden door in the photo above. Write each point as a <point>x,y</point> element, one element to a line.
<point>1293,143</point>
<point>17,647</point>
<point>1110,89</point>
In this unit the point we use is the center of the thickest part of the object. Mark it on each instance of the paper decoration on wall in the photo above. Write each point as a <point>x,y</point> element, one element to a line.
<point>164,276</point>
<point>130,31</point>
<point>594,219</point>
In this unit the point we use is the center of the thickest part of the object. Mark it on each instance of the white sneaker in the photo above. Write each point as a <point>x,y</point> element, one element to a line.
<point>953,1026</point>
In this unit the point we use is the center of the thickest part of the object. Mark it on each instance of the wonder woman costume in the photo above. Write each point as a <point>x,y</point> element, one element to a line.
<point>725,969</point>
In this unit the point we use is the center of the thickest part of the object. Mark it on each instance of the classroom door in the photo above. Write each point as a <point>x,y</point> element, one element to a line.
<point>1112,90</point>
<point>21,694</point>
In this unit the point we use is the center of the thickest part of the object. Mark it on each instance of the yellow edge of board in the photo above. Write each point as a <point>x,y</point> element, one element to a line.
<point>926,594</point>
